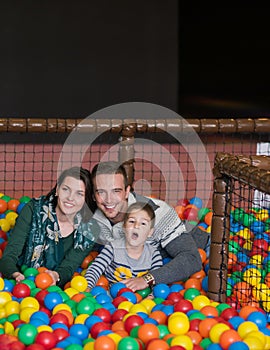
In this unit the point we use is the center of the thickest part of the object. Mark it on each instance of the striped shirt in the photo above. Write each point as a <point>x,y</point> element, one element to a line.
<point>114,262</point>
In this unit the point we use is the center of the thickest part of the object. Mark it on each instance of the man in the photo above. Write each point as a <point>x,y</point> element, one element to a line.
<point>172,236</point>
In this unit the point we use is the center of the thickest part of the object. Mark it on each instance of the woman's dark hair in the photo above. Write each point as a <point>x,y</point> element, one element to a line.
<point>109,168</point>
<point>79,174</point>
<point>141,206</point>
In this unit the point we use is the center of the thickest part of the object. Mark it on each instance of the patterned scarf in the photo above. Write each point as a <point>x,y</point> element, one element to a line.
<point>45,246</point>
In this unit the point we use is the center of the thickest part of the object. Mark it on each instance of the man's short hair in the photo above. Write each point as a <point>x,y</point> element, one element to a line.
<point>110,168</point>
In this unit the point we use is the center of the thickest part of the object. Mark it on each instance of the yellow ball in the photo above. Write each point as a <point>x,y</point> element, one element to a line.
<point>126,305</point>
<point>9,328</point>
<point>253,343</point>
<point>12,307</point>
<point>178,324</point>
<point>252,276</point>
<point>217,330</point>
<point>4,225</point>
<point>71,292</point>
<point>200,301</point>
<point>148,304</point>
<point>246,327</point>
<point>81,318</point>
<point>11,218</point>
<point>30,302</point>
<point>182,340</point>
<point>115,337</point>
<point>26,313</point>
<point>61,306</point>
<point>4,298</point>
<point>44,327</point>
<point>2,283</point>
<point>79,283</point>
<point>138,308</point>
<point>259,335</point>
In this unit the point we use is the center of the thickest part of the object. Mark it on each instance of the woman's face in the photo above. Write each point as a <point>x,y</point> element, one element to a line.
<point>71,196</point>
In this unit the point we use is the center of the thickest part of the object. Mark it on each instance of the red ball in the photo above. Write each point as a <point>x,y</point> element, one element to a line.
<point>21,290</point>
<point>183,305</point>
<point>60,334</point>
<point>59,318</point>
<point>184,202</point>
<point>118,315</point>
<point>116,301</point>
<point>194,325</point>
<point>228,313</point>
<point>104,314</point>
<point>175,297</point>
<point>133,321</point>
<point>191,214</point>
<point>47,339</point>
<point>3,235</point>
<point>41,295</point>
<point>99,327</point>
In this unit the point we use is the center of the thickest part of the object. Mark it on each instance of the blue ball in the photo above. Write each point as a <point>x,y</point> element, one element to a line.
<point>115,289</point>
<point>214,347</point>
<point>205,283</point>
<point>235,321</point>
<point>103,298</point>
<point>59,325</point>
<point>98,290</point>
<point>161,290</point>
<point>79,331</point>
<point>176,287</point>
<point>19,208</point>
<point>197,202</point>
<point>258,318</point>
<point>130,296</point>
<point>91,320</point>
<point>40,315</point>
<point>52,299</point>
<point>238,345</point>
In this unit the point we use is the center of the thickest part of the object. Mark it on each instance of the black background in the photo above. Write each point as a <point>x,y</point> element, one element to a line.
<point>72,58</point>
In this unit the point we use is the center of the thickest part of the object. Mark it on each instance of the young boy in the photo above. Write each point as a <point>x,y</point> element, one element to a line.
<point>130,256</point>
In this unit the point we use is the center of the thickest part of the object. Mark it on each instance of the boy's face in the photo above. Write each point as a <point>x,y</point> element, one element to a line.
<point>111,195</point>
<point>137,228</point>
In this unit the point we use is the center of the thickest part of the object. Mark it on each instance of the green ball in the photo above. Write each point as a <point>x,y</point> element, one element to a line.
<point>158,300</point>
<point>128,343</point>
<point>6,198</point>
<point>202,212</point>
<point>234,247</point>
<point>205,343</point>
<point>247,219</point>
<point>163,330</point>
<point>13,317</point>
<point>34,291</point>
<point>25,199</point>
<point>134,332</point>
<point>191,293</point>
<point>27,334</point>
<point>86,306</point>
<point>31,284</point>
<point>74,347</point>
<point>197,315</point>
<point>30,272</point>
<point>144,292</point>
<point>238,214</point>
<point>221,307</point>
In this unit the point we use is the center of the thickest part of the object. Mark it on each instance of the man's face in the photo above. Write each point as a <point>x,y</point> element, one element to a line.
<point>111,195</point>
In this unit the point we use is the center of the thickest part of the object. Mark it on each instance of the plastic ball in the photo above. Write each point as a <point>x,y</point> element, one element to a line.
<point>43,280</point>
<point>79,283</point>
<point>27,334</point>
<point>128,343</point>
<point>178,323</point>
<point>47,339</point>
<point>115,288</point>
<point>104,342</point>
<point>21,290</point>
<point>79,331</point>
<point>161,290</point>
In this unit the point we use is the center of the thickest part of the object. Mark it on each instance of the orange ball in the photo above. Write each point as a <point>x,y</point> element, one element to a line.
<point>43,280</point>
<point>195,337</point>
<point>205,326</point>
<point>104,343</point>
<point>193,283</point>
<point>103,282</point>
<point>159,316</point>
<point>180,211</point>
<point>158,344</point>
<point>203,255</point>
<point>199,274</point>
<point>208,218</point>
<point>13,204</point>
<point>3,206</point>
<point>229,337</point>
<point>242,291</point>
<point>209,311</point>
<point>245,311</point>
<point>148,331</point>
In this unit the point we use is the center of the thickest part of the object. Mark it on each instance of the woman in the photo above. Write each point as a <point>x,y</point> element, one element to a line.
<point>55,231</point>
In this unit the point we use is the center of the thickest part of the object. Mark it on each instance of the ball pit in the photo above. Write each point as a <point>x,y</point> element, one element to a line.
<point>34,315</point>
